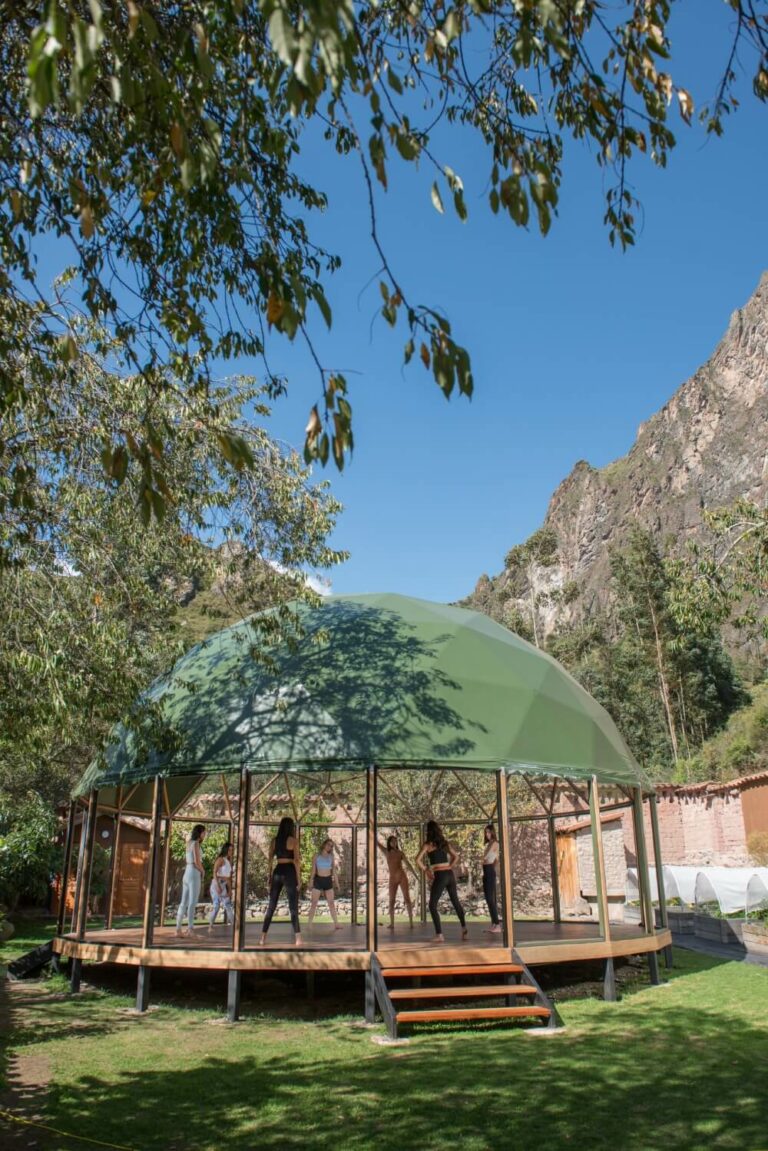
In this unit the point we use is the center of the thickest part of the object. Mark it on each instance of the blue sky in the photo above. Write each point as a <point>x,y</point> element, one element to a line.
<point>573,343</point>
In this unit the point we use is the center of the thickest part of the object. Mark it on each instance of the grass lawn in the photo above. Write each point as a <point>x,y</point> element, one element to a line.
<point>30,932</point>
<point>680,1067</point>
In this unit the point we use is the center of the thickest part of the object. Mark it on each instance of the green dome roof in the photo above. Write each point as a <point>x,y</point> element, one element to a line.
<point>373,679</point>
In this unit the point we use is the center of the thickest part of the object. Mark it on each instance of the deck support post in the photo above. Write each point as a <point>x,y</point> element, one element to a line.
<point>371,929</point>
<point>154,859</point>
<point>599,859</point>
<point>86,860</point>
<point>653,968</point>
<point>370,998</point>
<point>502,808</point>
<point>65,869</point>
<point>75,974</point>
<point>310,982</point>
<point>556,908</point>
<point>142,989</point>
<point>234,988</point>
<point>609,981</point>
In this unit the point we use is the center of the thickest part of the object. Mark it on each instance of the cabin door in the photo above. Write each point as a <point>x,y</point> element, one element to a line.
<point>131,879</point>
<point>567,869</point>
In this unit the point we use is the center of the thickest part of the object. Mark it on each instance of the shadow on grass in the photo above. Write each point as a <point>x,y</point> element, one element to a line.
<point>656,1072</point>
<point>679,1083</point>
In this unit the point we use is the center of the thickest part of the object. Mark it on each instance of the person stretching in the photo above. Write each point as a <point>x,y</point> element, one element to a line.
<point>322,881</point>
<point>192,881</point>
<point>490,863</point>
<point>285,849</point>
<point>440,858</point>
<point>398,877</point>
<point>221,891</point>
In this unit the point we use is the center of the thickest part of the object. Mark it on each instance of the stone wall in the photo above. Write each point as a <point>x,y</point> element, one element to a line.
<point>531,876</point>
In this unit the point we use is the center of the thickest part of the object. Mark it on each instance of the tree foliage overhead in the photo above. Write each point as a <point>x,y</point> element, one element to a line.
<point>90,611</point>
<point>160,143</point>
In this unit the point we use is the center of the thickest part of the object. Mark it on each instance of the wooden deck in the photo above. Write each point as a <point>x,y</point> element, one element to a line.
<point>325,949</point>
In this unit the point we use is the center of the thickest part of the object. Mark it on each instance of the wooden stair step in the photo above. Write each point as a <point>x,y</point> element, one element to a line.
<point>444,972</point>
<point>449,1014</point>
<point>478,991</point>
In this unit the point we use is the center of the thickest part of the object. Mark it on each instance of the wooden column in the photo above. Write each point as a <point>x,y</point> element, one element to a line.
<point>116,859</point>
<point>371,788</point>
<point>502,808</point>
<point>84,879</point>
<point>599,859</point>
<point>354,877</point>
<point>423,882</point>
<point>658,861</point>
<point>556,908</point>
<point>79,869</point>
<point>153,863</point>
<point>663,916</point>
<point>235,977</point>
<point>643,875</point>
<point>164,871</point>
<point>241,864</point>
<point>65,867</point>
<point>114,864</point>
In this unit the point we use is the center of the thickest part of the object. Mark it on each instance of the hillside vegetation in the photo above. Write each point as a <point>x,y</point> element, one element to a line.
<point>739,749</point>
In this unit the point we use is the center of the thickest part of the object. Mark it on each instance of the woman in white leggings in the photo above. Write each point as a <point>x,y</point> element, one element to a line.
<point>221,887</point>
<point>193,878</point>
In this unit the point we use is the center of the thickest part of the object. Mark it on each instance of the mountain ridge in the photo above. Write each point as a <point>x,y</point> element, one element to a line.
<point>705,448</point>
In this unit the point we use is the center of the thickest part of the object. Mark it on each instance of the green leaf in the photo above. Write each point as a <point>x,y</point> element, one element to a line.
<point>394,81</point>
<point>436,199</point>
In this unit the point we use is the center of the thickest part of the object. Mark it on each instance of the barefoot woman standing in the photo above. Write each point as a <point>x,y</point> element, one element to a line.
<point>398,877</point>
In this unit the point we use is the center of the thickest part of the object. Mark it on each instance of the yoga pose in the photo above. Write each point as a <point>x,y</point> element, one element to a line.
<point>441,858</point>
<point>193,878</point>
<point>490,863</point>
<point>221,886</point>
<point>398,877</point>
<point>322,881</point>
<point>284,848</point>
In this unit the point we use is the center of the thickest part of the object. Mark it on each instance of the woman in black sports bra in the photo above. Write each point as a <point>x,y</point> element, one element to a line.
<point>285,849</point>
<point>440,858</point>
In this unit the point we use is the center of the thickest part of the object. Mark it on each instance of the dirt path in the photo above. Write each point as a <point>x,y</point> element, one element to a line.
<point>26,1074</point>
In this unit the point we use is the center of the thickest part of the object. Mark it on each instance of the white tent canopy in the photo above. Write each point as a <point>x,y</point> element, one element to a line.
<point>731,888</point>
<point>679,883</point>
<point>757,891</point>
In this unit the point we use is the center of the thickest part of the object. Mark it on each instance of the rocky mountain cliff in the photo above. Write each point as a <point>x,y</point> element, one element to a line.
<point>707,447</point>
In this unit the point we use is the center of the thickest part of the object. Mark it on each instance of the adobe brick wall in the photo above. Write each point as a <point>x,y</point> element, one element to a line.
<point>703,830</point>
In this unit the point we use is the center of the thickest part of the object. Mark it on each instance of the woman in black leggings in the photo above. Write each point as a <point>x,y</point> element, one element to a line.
<point>490,863</point>
<point>440,858</point>
<point>285,850</point>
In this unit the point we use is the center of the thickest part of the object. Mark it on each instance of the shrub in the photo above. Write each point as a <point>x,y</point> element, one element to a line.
<point>757,846</point>
<point>28,851</point>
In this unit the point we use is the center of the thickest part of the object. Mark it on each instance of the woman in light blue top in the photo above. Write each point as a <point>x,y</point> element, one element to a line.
<point>322,881</point>
<point>193,878</point>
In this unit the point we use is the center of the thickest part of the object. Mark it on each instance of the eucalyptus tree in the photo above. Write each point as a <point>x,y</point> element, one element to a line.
<point>161,146</point>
